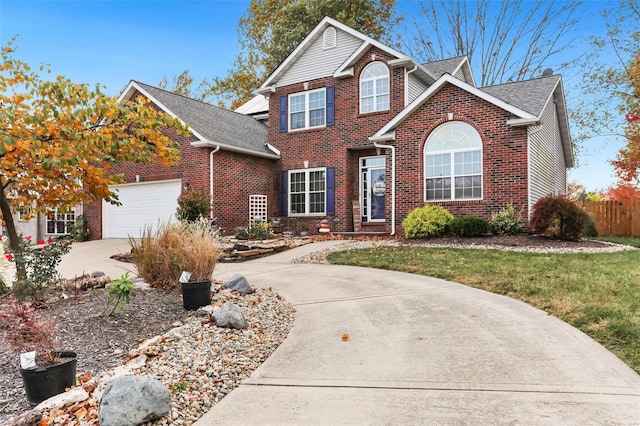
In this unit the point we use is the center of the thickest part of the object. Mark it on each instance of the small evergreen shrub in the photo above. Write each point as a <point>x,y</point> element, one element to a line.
<point>507,221</point>
<point>590,227</point>
<point>558,217</point>
<point>425,222</point>
<point>192,205</point>
<point>79,231</point>
<point>469,226</point>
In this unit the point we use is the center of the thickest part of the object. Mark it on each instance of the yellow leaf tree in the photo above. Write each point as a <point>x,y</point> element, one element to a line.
<point>58,140</point>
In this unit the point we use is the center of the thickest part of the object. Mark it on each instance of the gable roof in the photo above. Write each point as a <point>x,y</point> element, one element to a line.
<point>533,96</point>
<point>212,125</point>
<point>452,66</point>
<point>530,95</point>
<point>345,68</point>
<point>526,100</point>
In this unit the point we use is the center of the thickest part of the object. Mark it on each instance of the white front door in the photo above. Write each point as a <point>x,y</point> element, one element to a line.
<point>372,189</point>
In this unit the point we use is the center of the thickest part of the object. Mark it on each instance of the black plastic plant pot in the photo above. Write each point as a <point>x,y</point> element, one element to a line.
<point>196,295</point>
<point>42,383</point>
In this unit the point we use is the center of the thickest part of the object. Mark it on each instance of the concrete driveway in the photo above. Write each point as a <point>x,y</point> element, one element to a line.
<point>419,351</point>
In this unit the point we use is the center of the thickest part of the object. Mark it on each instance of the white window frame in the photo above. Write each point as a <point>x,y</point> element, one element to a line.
<point>307,111</point>
<point>452,165</point>
<point>58,216</point>
<point>377,81</point>
<point>307,192</point>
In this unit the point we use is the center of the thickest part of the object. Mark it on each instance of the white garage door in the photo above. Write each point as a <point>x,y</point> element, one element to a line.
<point>143,204</point>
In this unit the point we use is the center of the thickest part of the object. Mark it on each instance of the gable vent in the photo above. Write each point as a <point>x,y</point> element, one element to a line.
<point>329,38</point>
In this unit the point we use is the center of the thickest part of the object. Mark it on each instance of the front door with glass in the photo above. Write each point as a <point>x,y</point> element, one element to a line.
<point>372,189</point>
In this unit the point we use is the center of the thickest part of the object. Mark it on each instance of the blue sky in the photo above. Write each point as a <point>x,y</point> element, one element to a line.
<point>112,42</point>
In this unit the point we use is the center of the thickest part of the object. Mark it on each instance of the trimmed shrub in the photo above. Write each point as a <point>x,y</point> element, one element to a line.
<point>469,226</point>
<point>192,205</point>
<point>558,217</point>
<point>590,227</point>
<point>425,222</point>
<point>507,221</point>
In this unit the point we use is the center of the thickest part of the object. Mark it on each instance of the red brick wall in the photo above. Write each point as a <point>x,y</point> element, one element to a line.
<point>337,146</point>
<point>340,146</point>
<point>504,154</point>
<point>236,176</point>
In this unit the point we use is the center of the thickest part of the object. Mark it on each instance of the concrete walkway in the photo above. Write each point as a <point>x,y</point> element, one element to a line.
<point>419,351</point>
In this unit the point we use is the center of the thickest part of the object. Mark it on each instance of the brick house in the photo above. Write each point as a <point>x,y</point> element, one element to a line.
<point>360,134</point>
<point>226,155</point>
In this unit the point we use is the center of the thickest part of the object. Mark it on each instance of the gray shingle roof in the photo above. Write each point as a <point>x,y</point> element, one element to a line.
<point>529,95</point>
<point>443,66</point>
<point>217,125</point>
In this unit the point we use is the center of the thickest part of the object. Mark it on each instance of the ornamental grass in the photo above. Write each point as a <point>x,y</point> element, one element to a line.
<point>162,255</point>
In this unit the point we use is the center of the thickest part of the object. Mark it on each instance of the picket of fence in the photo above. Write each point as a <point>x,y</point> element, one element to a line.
<point>618,218</point>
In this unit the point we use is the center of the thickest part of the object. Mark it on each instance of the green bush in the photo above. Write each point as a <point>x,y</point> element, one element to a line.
<point>425,222</point>
<point>590,227</point>
<point>507,221</point>
<point>79,231</point>
<point>192,205</point>
<point>469,226</point>
<point>558,217</point>
<point>257,231</point>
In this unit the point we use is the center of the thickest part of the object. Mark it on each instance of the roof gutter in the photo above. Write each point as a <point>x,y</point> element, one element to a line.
<point>211,144</point>
<point>393,183</point>
<point>517,122</point>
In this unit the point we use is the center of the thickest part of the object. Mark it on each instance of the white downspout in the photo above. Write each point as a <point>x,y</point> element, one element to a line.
<point>393,183</point>
<point>213,151</point>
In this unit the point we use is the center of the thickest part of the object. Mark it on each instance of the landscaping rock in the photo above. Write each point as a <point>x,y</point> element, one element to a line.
<point>229,316</point>
<point>238,283</point>
<point>96,274</point>
<point>133,400</point>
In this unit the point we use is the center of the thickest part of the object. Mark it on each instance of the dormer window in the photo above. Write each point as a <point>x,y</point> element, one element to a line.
<point>374,88</point>
<point>329,38</point>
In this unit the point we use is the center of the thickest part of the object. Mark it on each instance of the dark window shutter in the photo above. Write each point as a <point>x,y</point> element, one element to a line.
<point>283,114</point>
<point>331,109</point>
<point>331,191</point>
<point>282,207</point>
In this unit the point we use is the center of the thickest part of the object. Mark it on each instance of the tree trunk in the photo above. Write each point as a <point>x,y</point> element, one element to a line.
<point>14,241</point>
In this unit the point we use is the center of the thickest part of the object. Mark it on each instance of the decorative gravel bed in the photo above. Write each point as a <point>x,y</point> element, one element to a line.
<point>199,362</point>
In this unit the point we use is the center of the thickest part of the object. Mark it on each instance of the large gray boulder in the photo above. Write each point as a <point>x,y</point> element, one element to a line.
<point>133,400</point>
<point>238,283</point>
<point>229,316</point>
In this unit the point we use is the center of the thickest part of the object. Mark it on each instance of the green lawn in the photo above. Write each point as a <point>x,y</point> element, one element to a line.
<point>597,293</point>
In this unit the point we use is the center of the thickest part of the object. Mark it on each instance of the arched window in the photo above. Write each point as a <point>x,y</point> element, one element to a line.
<point>374,88</point>
<point>329,38</point>
<point>453,163</point>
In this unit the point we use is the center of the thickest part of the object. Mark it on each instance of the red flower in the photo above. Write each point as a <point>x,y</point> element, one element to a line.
<point>40,242</point>
<point>28,238</point>
<point>9,257</point>
<point>49,241</point>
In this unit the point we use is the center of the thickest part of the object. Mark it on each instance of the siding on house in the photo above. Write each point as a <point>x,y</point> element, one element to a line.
<point>416,88</point>
<point>547,172</point>
<point>317,62</point>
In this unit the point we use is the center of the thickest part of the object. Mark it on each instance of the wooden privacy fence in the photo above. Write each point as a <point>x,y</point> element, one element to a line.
<point>620,218</point>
